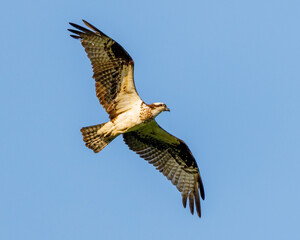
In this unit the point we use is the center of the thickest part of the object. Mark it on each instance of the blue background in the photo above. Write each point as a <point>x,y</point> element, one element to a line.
<point>228,70</point>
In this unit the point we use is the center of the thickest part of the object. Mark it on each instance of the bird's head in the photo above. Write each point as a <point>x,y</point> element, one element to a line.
<point>158,108</point>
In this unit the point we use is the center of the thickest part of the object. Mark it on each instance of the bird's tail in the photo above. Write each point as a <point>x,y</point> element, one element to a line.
<point>94,139</point>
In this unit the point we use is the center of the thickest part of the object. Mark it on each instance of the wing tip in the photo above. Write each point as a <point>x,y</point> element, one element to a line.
<point>84,30</point>
<point>191,202</point>
<point>184,200</point>
<point>193,196</point>
<point>197,200</point>
<point>74,25</point>
<point>199,214</point>
<point>194,200</point>
<point>93,28</point>
<point>74,36</point>
<point>201,187</point>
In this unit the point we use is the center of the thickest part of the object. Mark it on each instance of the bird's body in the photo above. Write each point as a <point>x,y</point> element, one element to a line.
<point>133,118</point>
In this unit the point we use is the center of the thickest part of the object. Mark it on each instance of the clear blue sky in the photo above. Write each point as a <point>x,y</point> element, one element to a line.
<point>229,71</point>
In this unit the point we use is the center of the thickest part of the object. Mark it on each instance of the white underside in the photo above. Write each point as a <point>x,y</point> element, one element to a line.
<point>124,122</point>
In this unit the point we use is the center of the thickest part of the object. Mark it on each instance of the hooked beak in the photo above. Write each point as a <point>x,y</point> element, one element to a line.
<point>167,109</point>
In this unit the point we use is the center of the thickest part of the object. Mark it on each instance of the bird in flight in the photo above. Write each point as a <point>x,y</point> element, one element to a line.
<point>133,118</point>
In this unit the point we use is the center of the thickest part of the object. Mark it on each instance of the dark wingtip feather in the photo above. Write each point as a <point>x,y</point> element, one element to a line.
<point>201,187</point>
<point>202,193</point>
<point>197,201</point>
<point>85,30</point>
<point>199,213</point>
<point>93,28</point>
<point>184,199</point>
<point>75,31</point>
<point>73,24</point>
<point>191,202</point>
<point>74,36</point>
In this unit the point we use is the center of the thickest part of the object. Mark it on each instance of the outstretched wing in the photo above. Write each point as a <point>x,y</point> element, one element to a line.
<point>113,69</point>
<point>172,157</point>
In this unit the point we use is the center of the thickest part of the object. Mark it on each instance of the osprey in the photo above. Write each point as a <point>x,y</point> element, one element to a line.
<point>131,116</point>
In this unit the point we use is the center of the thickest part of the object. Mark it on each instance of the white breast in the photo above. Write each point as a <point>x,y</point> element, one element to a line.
<point>127,120</point>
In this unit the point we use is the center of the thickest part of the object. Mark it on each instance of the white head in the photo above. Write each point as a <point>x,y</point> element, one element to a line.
<point>157,108</point>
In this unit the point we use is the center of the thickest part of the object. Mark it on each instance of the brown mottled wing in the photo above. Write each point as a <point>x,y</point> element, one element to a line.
<point>172,157</point>
<point>113,69</point>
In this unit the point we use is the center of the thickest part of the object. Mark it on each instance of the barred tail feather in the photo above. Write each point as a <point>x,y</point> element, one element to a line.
<point>93,139</point>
